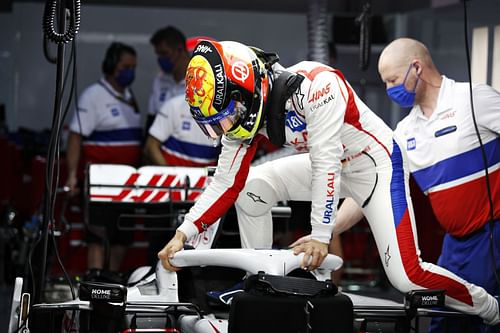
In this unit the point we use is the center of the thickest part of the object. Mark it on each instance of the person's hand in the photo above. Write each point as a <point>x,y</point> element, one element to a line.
<point>314,253</point>
<point>174,245</point>
<point>301,240</point>
<point>72,183</point>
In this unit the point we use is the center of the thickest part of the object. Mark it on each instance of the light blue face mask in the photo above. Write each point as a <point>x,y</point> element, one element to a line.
<point>400,95</point>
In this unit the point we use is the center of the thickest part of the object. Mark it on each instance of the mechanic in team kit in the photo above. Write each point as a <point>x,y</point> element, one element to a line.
<point>175,139</point>
<point>173,56</point>
<point>106,129</point>
<point>243,94</point>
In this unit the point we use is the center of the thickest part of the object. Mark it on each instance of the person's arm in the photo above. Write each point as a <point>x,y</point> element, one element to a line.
<point>152,151</point>
<point>161,129</point>
<point>84,122</point>
<point>229,179</point>
<point>72,160</point>
<point>324,118</point>
<point>217,198</point>
<point>335,247</point>
<point>348,215</point>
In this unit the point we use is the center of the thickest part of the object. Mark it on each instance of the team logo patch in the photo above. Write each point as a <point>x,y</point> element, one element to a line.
<point>294,122</point>
<point>115,112</point>
<point>316,95</point>
<point>255,197</point>
<point>446,130</point>
<point>203,48</point>
<point>411,144</point>
<point>240,71</point>
<point>299,97</point>
<point>251,121</point>
<point>447,115</point>
<point>322,102</point>
<point>330,192</point>
<point>186,125</point>
<point>387,256</point>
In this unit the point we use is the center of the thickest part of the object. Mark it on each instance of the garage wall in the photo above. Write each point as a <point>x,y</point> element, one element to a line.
<point>27,80</point>
<point>442,30</point>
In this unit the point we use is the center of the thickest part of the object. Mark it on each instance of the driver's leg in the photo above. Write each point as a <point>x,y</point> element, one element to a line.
<point>287,178</point>
<point>391,219</point>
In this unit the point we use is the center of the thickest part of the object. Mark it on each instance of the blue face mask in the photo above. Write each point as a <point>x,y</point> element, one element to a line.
<point>400,95</point>
<point>166,64</point>
<point>125,77</point>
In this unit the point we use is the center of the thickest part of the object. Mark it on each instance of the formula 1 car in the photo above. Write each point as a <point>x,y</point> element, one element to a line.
<point>152,304</point>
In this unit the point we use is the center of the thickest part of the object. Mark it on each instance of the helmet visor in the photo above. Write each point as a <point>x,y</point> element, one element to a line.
<point>216,125</point>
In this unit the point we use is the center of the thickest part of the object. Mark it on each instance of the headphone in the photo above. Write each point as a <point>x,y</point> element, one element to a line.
<point>112,57</point>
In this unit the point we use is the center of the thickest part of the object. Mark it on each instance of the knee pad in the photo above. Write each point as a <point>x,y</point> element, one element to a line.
<point>256,198</point>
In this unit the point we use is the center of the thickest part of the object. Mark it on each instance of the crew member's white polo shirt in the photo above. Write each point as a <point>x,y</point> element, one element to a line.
<point>445,157</point>
<point>110,126</point>
<point>164,88</point>
<point>183,142</point>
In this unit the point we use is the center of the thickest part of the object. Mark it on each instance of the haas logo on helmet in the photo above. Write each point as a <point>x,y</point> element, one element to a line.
<point>240,71</point>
